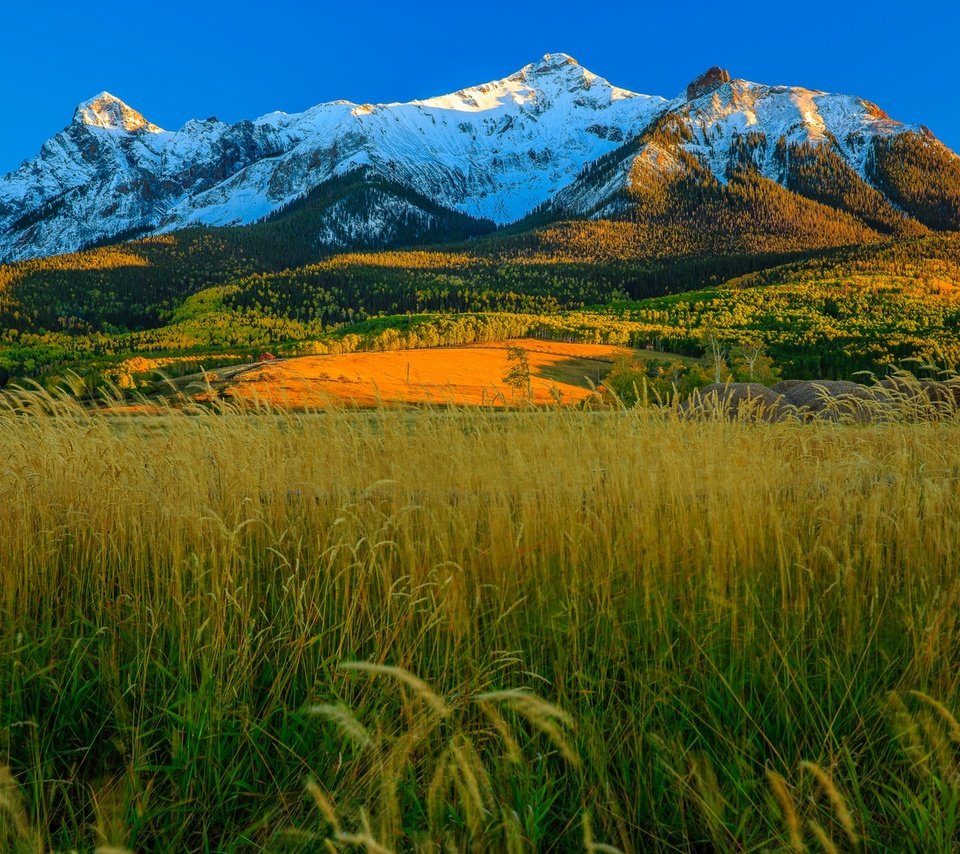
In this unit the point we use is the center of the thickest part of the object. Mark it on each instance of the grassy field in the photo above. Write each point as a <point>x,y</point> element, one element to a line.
<point>459,376</point>
<point>468,630</point>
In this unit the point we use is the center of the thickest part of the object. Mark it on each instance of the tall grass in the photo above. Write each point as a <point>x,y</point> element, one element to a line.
<point>464,630</point>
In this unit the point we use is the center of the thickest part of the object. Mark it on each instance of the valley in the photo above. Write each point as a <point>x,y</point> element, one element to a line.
<point>550,204</point>
<point>541,466</point>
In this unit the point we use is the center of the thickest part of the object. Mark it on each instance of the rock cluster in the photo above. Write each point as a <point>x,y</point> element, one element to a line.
<point>892,399</point>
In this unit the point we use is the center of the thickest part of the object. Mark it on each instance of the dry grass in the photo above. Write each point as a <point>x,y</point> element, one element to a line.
<point>474,630</point>
<point>459,376</point>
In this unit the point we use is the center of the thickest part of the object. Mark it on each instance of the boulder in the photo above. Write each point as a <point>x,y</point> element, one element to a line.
<point>925,397</point>
<point>739,400</point>
<point>782,386</point>
<point>897,398</point>
<point>834,400</point>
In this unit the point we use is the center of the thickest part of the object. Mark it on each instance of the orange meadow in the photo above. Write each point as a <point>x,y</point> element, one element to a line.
<point>463,376</point>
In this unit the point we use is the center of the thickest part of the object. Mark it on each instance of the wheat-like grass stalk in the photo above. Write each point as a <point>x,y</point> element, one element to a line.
<point>837,801</point>
<point>345,721</point>
<point>417,685</point>
<point>953,726</point>
<point>324,804</point>
<point>779,787</point>
<point>589,843</point>
<point>907,733</point>
<point>365,841</point>
<point>11,805</point>
<point>821,835</point>
<point>546,717</point>
<point>467,781</point>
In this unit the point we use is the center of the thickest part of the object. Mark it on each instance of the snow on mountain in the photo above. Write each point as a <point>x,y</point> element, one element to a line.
<point>795,114</point>
<point>111,172</point>
<point>342,228</point>
<point>718,114</point>
<point>110,113</point>
<point>495,151</point>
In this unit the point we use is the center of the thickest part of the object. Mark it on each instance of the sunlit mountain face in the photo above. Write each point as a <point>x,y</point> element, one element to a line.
<point>553,138</point>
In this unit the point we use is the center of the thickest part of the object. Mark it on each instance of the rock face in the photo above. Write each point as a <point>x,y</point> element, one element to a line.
<point>725,127</point>
<point>711,80</point>
<point>111,172</point>
<point>110,113</point>
<point>835,400</point>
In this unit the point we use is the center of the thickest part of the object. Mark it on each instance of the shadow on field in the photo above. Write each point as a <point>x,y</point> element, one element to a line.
<point>574,371</point>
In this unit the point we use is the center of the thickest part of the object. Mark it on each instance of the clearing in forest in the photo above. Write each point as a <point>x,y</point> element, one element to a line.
<point>471,375</point>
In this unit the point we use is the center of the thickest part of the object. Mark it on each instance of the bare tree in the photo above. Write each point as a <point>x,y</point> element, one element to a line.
<point>716,353</point>
<point>751,359</point>
<point>748,355</point>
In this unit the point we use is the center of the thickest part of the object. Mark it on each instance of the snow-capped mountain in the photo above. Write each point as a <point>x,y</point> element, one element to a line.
<point>722,125</point>
<point>552,136</point>
<point>494,151</point>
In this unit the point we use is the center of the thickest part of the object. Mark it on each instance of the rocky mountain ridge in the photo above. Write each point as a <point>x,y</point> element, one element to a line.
<point>552,137</point>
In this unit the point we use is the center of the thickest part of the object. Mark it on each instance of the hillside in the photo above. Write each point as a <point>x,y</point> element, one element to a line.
<point>828,315</point>
<point>859,309</point>
<point>457,376</point>
<point>831,219</point>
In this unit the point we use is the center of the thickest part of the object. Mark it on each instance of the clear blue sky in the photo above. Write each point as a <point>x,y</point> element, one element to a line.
<point>178,60</point>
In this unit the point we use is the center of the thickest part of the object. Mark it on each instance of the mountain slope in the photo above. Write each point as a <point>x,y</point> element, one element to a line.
<point>921,175</point>
<point>553,141</point>
<point>492,152</point>
<point>137,284</point>
<point>111,172</point>
<point>826,148</point>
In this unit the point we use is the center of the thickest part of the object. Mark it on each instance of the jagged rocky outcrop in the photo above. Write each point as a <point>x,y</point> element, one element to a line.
<point>112,172</point>
<point>711,80</point>
<point>722,127</point>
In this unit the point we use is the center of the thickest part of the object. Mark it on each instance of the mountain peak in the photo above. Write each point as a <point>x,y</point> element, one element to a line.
<point>549,65</point>
<point>556,60</point>
<point>109,112</point>
<point>711,80</point>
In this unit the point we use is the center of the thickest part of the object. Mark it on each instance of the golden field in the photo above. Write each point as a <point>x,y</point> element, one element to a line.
<point>459,376</point>
<point>476,630</point>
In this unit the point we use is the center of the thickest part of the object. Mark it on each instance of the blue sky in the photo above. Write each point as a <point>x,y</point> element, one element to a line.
<point>178,60</point>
